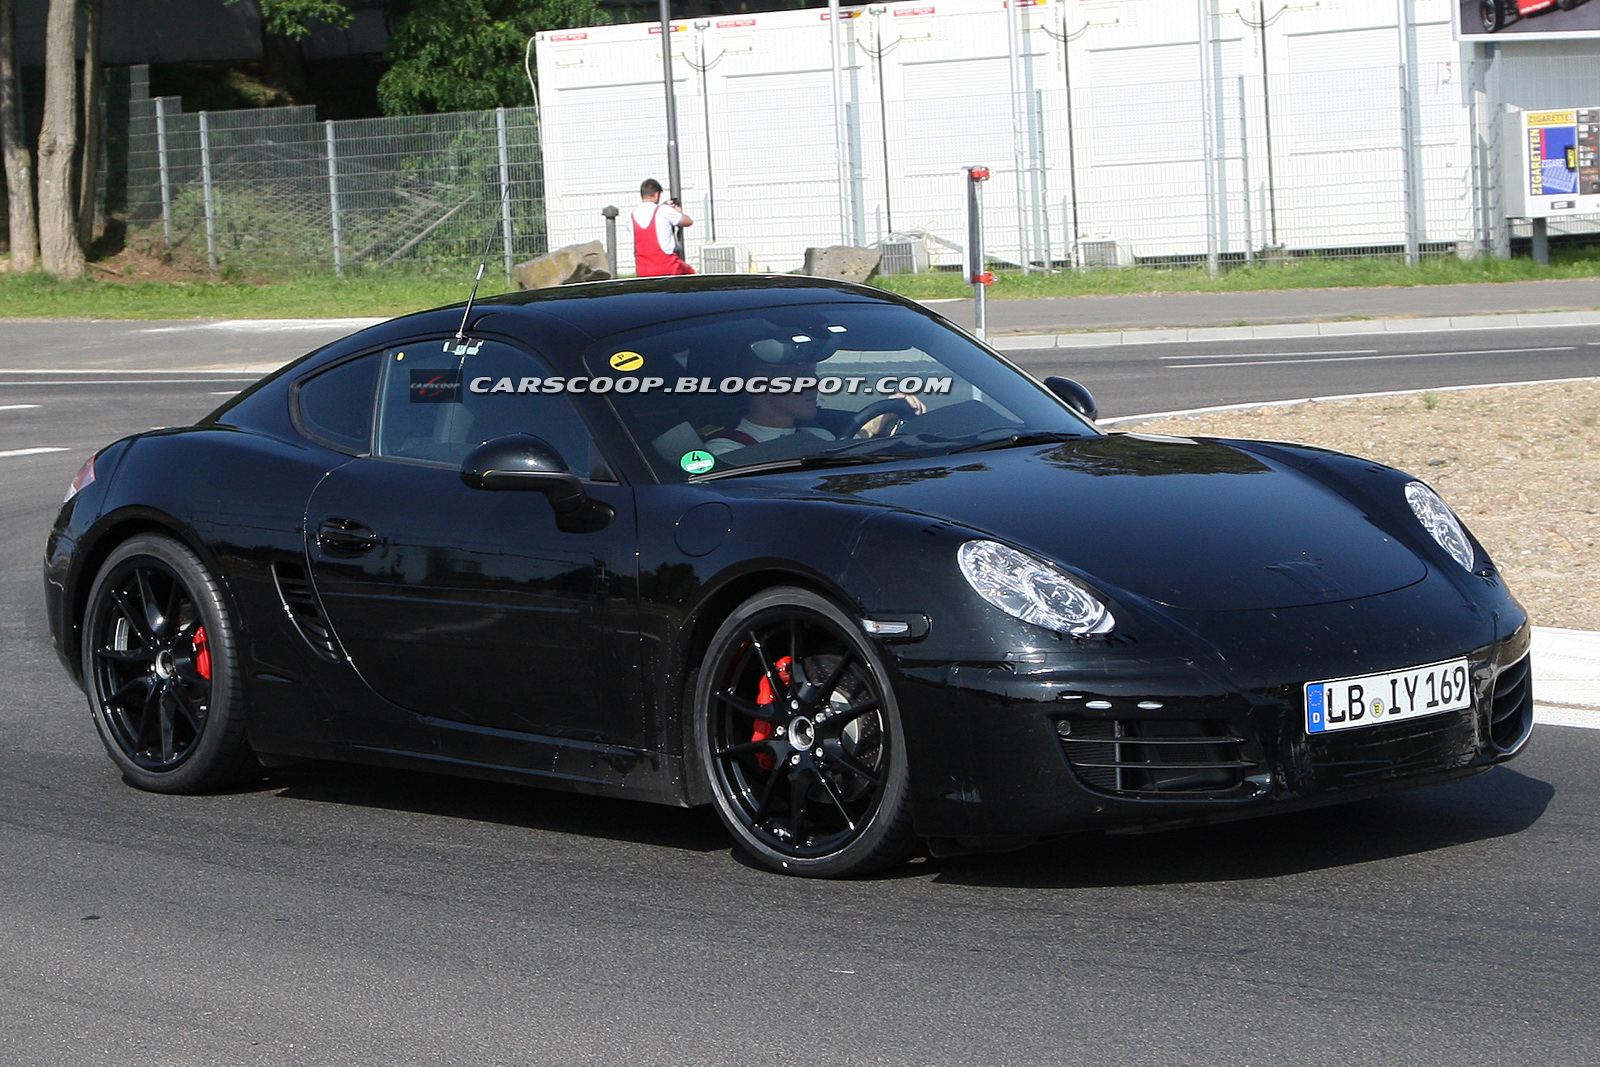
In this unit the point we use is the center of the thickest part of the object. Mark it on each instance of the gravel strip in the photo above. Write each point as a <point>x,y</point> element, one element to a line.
<point>1519,464</point>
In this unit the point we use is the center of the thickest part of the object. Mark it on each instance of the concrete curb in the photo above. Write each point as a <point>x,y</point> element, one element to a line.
<point>1211,334</point>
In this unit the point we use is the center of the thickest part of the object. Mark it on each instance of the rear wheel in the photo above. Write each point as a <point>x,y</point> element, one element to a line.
<point>1492,15</point>
<point>160,670</point>
<point>797,730</point>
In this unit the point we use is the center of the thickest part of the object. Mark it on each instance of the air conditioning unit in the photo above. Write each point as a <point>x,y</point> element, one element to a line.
<point>724,259</point>
<point>1103,252</point>
<point>903,257</point>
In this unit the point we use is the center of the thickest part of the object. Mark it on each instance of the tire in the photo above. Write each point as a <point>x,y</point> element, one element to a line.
<point>160,670</point>
<point>838,804</point>
<point>1491,14</point>
<point>1568,5</point>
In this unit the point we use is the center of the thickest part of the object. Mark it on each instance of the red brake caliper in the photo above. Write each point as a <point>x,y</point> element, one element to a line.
<point>764,697</point>
<point>202,653</point>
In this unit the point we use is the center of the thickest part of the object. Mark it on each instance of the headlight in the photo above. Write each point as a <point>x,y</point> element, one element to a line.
<point>1437,518</point>
<point>1031,589</point>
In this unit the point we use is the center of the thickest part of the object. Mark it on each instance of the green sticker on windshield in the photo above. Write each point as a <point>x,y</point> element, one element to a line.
<point>697,462</point>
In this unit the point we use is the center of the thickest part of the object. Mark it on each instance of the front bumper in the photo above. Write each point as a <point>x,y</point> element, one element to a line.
<point>1002,754</point>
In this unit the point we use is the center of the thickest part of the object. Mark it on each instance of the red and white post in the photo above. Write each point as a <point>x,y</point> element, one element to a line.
<point>977,274</point>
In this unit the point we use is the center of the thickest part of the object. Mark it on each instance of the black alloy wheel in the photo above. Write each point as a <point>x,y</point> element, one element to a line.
<point>1492,15</point>
<point>797,730</point>
<point>160,671</point>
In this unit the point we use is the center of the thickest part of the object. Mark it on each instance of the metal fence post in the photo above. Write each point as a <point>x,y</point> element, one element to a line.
<point>1207,135</point>
<point>1244,167</point>
<point>611,212</point>
<point>1024,255</point>
<point>333,203</point>
<point>1408,169</point>
<point>166,177</point>
<point>505,182</point>
<point>211,213</point>
<point>1041,189</point>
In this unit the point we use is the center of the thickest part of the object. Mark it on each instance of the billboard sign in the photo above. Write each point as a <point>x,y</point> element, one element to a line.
<point>1525,20</point>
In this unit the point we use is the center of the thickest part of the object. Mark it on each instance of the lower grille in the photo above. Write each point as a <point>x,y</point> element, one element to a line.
<point>1511,712</point>
<point>1150,757</point>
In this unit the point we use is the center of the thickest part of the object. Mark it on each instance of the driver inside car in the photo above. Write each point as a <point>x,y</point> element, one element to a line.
<point>770,415</point>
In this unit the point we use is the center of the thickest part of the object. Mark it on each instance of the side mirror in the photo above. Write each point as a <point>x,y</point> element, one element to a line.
<point>1074,396</point>
<point>521,461</point>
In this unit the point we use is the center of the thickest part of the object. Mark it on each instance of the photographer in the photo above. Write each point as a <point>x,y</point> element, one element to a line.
<point>655,237</point>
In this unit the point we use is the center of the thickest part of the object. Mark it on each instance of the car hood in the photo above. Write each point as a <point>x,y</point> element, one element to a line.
<point>1200,525</point>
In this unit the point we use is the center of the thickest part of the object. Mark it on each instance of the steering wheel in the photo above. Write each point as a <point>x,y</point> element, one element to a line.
<point>897,406</point>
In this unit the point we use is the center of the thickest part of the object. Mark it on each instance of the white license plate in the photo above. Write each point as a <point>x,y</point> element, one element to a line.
<point>1389,696</point>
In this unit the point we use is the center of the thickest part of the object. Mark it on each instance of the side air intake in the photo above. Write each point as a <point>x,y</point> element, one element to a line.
<point>301,604</point>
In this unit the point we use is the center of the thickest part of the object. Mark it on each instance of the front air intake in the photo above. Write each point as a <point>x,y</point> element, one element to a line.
<point>1511,711</point>
<point>1160,758</point>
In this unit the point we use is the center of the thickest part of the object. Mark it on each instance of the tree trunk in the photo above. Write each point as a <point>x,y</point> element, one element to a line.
<point>90,177</point>
<point>59,251</point>
<point>282,63</point>
<point>18,161</point>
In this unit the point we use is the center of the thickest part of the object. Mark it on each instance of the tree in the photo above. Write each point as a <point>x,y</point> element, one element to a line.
<point>59,251</point>
<point>93,127</point>
<point>18,161</point>
<point>284,24</point>
<point>466,55</point>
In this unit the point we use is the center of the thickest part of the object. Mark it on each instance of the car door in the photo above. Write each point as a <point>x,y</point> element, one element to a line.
<point>469,606</point>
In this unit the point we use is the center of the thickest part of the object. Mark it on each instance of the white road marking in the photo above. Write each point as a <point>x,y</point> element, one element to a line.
<point>17,407</point>
<point>1559,715</point>
<point>1265,355</point>
<point>15,452</point>
<point>133,381</point>
<point>1254,405</point>
<point>269,325</point>
<point>1244,362</point>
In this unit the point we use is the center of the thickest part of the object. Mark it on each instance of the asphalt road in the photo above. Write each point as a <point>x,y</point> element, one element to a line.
<point>340,916</point>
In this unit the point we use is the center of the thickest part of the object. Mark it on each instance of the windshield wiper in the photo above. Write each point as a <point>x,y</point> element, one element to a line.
<point>801,463</point>
<point>1019,440</point>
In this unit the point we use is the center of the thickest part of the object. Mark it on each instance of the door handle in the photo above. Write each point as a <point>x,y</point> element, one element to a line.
<point>346,537</point>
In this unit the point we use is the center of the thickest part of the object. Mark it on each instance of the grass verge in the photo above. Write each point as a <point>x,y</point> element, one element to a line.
<point>1294,274</point>
<point>37,295</point>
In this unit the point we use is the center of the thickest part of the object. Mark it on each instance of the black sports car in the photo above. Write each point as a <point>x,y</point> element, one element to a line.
<point>800,550</point>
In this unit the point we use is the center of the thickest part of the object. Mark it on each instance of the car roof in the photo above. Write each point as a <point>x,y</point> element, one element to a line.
<point>600,309</point>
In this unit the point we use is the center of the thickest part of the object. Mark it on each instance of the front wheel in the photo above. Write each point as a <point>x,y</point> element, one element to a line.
<point>1492,15</point>
<point>161,672</point>
<point>796,728</point>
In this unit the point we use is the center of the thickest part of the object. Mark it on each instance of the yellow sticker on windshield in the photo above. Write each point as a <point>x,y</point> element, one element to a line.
<point>627,361</point>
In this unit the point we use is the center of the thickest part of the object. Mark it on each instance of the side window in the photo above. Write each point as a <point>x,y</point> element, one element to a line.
<point>437,407</point>
<point>335,406</point>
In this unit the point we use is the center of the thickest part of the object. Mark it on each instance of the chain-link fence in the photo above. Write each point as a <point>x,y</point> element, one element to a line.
<point>1387,160</point>
<point>275,191</point>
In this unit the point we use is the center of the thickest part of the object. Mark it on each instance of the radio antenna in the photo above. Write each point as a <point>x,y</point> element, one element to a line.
<point>460,340</point>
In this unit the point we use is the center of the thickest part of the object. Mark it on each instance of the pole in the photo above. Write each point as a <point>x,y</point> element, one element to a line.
<point>611,213</point>
<point>1024,254</point>
<point>1207,133</point>
<point>700,27</point>
<point>976,275</point>
<point>1541,240</point>
<point>166,177</point>
<point>1409,191</point>
<point>674,175</point>
<point>1074,235</point>
<point>1041,195</point>
<point>879,49</point>
<point>505,187</point>
<point>205,174</point>
<point>1244,164</point>
<point>840,148</point>
<point>1408,127</point>
<point>1266,118</point>
<point>333,203</point>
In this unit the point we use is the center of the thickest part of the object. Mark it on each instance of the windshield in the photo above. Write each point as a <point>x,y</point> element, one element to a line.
<point>814,385</point>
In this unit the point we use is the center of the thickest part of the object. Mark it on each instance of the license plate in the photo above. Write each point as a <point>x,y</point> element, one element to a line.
<point>1389,696</point>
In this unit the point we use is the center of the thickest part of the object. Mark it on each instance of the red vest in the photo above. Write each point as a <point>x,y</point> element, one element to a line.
<point>649,261</point>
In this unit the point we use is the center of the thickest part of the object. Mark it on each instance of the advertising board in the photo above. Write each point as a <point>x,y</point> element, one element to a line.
<point>1526,20</point>
<point>1553,167</point>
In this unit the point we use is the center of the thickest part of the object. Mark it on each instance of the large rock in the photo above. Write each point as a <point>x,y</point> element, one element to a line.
<point>574,263</point>
<point>843,262</point>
